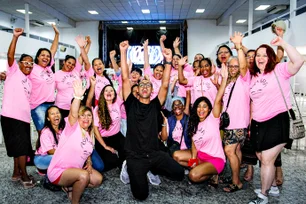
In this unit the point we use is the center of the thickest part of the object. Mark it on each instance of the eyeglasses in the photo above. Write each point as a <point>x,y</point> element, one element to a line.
<point>86,116</point>
<point>143,85</point>
<point>225,52</point>
<point>251,56</point>
<point>233,66</point>
<point>26,63</point>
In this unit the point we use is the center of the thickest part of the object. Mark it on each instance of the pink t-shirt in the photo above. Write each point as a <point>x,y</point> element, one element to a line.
<point>207,138</point>
<point>72,151</point>
<point>100,83</point>
<point>63,84</point>
<point>115,114</point>
<point>16,95</point>
<point>43,85</point>
<point>181,88</point>
<point>155,83</point>
<point>239,106</point>
<point>202,87</point>
<point>177,134</point>
<point>47,141</point>
<point>266,96</point>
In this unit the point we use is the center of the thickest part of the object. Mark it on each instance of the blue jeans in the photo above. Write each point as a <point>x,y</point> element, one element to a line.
<point>97,162</point>
<point>38,115</point>
<point>42,162</point>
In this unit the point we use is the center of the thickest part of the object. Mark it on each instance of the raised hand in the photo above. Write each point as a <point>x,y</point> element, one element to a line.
<point>80,40</point>
<point>224,71</point>
<point>279,31</point>
<point>176,42</point>
<point>162,38</point>
<point>237,38</point>
<point>18,32</point>
<point>215,79</point>
<point>93,81</point>
<point>183,61</point>
<point>88,40</point>
<point>124,45</point>
<point>55,29</point>
<point>167,53</point>
<point>278,41</point>
<point>145,43</point>
<point>78,88</point>
<point>112,54</point>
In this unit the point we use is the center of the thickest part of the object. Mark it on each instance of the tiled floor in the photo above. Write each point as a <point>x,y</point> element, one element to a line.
<point>114,191</point>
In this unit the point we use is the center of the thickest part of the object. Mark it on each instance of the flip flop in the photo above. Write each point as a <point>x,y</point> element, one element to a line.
<point>16,178</point>
<point>27,184</point>
<point>231,188</point>
<point>68,191</point>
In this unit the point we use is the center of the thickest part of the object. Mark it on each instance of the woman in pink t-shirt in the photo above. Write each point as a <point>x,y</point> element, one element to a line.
<point>42,78</point>
<point>270,123</point>
<point>71,165</point>
<point>15,115</point>
<point>67,75</point>
<point>206,157</point>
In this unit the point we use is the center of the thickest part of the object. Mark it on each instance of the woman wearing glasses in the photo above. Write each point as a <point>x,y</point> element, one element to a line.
<point>223,55</point>
<point>15,116</point>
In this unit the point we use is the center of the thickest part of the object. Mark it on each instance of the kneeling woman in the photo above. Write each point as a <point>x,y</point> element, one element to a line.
<point>47,142</point>
<point>71,164</point>
<point>206,157</point>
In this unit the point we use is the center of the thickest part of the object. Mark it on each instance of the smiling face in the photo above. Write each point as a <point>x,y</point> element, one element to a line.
<point>261,59</point>
<point>223,55</point>
<point>68,65</point>
<point>85,119</point>
<point>135,76</point>
<point>145,89</point>
<point>44,58</point>
<point>202,110</point>
<point>26,65</point>
<point>54,116</point>
<point>233,67</point>
<point>205,68</point>
<point>177,107</point>
<point>158,72</point>
<point>98,66</point>
<point>109,94</point>
<point>175,61</point>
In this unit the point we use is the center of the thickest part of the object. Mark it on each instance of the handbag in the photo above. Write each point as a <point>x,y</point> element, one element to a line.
<point>224,118</point>
<point>297,128</point>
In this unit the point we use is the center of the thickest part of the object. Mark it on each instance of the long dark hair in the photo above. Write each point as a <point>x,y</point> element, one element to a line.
<point>194,118</point>
<point>104,71</point>
<point>229,50</point>
<point>39,52</point>
<point>103,112</point>
<point>49,125</point>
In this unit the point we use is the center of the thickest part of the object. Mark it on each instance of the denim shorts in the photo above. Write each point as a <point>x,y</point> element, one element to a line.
<point>38,115</point>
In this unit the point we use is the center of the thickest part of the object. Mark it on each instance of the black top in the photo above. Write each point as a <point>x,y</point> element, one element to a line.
<point>142,125</point>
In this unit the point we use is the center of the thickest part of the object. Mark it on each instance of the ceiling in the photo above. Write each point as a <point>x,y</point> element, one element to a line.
<point>67,12</point>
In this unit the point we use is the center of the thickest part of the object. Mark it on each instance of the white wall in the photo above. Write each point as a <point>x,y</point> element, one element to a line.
<point>204,35</point>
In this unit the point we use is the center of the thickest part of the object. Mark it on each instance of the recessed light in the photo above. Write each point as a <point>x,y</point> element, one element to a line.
<point>200,10</point>
<point>241,21</point>
<point>51,22</point>
<point>262,7</point>
<point>162,28</point>
<point>162,21</point>
<point>23,11</point>
<point>124,22</point>
<point>93,12</point>
<point>145,11</point>
<point>129,28</point>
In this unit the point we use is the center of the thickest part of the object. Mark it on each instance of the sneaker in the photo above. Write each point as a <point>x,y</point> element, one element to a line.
<point>124,176</point>
<point>154,179</point>
<point>260,199</point>
<point>274,191</point>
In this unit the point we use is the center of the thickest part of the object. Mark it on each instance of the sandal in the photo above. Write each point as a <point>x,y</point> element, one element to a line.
<point>225,180</point>
<point>232,188</point>
<point>27,184</point>
<point>15,178</point>
<point>68,191</point>
<point>213,182</point>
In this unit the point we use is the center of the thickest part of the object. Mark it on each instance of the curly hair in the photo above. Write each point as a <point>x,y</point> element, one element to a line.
<point>194,118</point>
<point>103,112</point>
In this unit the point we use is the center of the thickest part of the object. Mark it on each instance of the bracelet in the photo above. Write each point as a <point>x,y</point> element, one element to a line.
<point>164,124</point>
<point>78,97</point>
<point>168,63</point>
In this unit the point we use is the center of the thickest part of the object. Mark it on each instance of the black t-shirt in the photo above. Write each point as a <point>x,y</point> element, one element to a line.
<point>142,125</point>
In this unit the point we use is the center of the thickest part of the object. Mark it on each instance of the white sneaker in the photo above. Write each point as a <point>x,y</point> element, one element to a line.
<point>154,179</point>
<point>124,176</point>
<point>274,191</point>
<point>260,199</point>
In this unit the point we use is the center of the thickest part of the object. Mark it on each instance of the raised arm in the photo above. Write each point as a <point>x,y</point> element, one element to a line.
<point>12,48</point>
<point>162,94</point>
<point>54,45</point>
<point>182,79</point>
<point>237,40</point>
<point>113,61</point>
<point>218,101</point>
<point>176,44</point>
<point>164,132</point>
<point>296,59</point>
<point>126,87</point>
<point>188,101</point>
<point>74,109</point>
<point>87,47</point>
<point>161,42</point>
<point>91,92</point>
<point>280,51</point>
<point>146,54</point>
<point>82,42</point>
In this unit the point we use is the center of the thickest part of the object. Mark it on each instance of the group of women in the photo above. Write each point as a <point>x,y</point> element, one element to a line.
<point>91,130</point>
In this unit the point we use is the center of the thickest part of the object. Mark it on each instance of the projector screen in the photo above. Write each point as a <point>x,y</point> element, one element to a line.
<point>135,54</point>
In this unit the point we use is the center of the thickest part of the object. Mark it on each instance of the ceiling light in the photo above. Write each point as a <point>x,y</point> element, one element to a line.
<point>200,10</point>
<point>145,11</point>
<point>162,28</point>
<point>241,21</point>
<point>23,11</point>
<point>129,28</point>
<point>124,22</point>
<point>262,7</point>
<point>93,12</point>
<point>162,21</point>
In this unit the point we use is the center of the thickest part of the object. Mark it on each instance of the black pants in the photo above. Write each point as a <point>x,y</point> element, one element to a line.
<point>112,160</point>
<point>158,162</point>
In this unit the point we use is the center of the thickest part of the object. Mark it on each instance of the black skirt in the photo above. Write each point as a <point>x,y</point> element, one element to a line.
<point>266,135</point>
<point>17,137</point>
